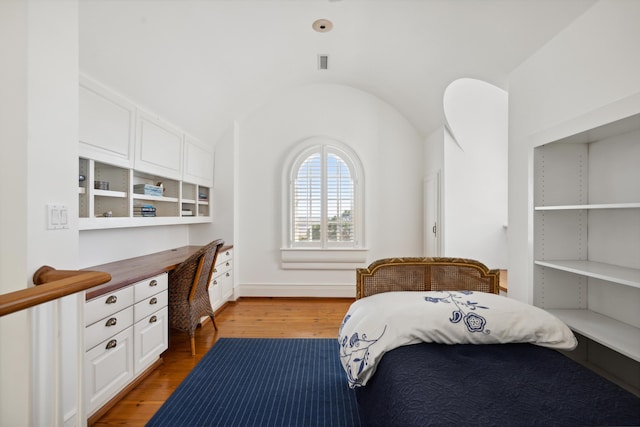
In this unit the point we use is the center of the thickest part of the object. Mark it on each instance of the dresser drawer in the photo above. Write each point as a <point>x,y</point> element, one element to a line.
<point>151,286</point>
<point>150,305</point>
<point>222,267</point>
<point>107,327</point>
<point>224,256</point>
<point>108,304</point>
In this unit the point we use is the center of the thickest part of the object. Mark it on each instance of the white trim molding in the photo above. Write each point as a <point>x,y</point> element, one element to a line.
<point>323,259</point>
<point>319,290</point>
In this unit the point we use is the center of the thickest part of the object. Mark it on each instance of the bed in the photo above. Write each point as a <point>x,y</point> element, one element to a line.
<point>429,341</point>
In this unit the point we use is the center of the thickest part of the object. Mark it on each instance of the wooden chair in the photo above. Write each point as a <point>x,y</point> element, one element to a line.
<point>189,291</point>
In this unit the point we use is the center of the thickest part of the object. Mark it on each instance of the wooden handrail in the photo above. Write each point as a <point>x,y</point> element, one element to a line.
<point>52,284</point>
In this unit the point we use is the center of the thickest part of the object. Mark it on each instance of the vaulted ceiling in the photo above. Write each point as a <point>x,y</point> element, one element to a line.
<point>203,63</point>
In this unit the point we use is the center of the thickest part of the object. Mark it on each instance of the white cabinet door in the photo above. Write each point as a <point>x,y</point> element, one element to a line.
<point>226,285</point>
<point>106,125</point>
<point>158,147</point>
<point>151,336</point>
<point>198,162</point>
<point>108,368</point>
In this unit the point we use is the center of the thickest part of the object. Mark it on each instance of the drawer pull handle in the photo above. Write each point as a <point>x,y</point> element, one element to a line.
<point>111,322</point>
<point>215,282</point>
<point>153,283</point>
<point>227,274</point>
<point>153,319</point>
<point>112,299</point>
<point>153,300</point>
<point>227,253</point>
<point>111,344</point>
<point>215,270</point>
<point>228,264</point>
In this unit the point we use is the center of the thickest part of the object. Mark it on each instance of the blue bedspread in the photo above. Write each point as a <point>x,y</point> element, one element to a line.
<point>490,385</point>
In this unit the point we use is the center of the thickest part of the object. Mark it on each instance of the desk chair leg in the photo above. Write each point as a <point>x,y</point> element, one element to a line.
<point>193,345</point>
<point>213,320</point>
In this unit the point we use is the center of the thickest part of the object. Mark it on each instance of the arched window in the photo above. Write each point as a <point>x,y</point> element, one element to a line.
<point>323,209</point>
<point>324,200</point>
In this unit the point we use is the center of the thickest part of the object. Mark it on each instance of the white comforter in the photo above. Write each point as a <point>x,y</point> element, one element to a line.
<point>382,322</point>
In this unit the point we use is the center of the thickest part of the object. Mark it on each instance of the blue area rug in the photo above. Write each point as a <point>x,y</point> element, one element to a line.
<point>263,382</point>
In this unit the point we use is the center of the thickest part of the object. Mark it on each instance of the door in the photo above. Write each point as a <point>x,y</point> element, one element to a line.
<point>432,215</point>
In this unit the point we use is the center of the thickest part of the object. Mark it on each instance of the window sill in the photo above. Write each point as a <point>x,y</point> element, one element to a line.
<point>322,259</point>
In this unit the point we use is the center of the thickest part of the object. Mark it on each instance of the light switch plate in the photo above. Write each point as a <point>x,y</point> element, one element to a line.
<point>57,216</point>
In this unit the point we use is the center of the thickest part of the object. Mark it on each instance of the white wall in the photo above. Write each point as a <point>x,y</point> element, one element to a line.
<point>39,151</point>
<point>391,153</point>
<point>103,246</point>
<point>223,197</point>
<point>591,64</point>
<point>15,328</point>
<point>475,172</point>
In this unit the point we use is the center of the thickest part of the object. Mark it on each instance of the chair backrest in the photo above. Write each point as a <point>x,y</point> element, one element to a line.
<point>195,272</point>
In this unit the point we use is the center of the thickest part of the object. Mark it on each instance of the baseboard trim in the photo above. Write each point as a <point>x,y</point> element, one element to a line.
<point>290,290</point>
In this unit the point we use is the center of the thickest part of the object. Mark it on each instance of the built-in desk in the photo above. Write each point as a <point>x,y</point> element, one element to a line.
<point>132,270</point>
<point>126,322</point>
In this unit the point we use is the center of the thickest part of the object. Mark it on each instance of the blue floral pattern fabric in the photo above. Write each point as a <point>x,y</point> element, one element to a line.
<point>382,322</point>
<point>473,321</point>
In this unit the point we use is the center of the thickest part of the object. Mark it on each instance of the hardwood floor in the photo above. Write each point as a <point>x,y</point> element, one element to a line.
<point>246,318</point>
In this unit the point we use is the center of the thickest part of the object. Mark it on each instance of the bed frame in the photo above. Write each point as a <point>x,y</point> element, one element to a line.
<point>426,274</point>
<point>551,388</point>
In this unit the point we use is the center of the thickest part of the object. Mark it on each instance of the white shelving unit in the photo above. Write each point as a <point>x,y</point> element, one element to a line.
<point>123,144</point>
<point>114,208</point>
<point>587,235</point>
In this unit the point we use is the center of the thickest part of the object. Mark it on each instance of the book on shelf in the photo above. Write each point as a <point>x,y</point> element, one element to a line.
<point>187,212</point>
<point>144,208</point>
<point>148,190</point>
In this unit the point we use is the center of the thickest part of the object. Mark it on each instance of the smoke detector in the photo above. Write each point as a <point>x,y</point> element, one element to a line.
<point>322,25</point>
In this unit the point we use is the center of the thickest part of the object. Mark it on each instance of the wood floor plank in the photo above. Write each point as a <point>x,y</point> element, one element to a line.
<point>246,318</point>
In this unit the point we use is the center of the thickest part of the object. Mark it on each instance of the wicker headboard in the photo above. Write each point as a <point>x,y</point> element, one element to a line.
<point>425,274</point>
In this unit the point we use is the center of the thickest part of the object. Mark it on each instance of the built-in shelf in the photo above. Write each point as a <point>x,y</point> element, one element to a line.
<point>586,238</point>
<point>619,336</point>
<point>109,193</point>
<point>612,273</point>
<point>590,206</point>
<point>155,198</point>
<point>116,208</point>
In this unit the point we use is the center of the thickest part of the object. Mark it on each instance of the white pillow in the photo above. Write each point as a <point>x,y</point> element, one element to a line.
<point>379,323</point>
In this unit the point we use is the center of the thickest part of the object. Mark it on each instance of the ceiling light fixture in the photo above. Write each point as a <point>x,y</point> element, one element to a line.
<point>322,25</point>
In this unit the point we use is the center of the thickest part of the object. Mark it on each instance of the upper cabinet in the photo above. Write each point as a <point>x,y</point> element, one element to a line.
<point>197,162</point>
<point>158,147</point>
<point>107,123</point>
<point>138,169</point>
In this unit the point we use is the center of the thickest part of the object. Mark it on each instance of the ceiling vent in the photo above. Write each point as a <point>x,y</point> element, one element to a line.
<point>323,62</point>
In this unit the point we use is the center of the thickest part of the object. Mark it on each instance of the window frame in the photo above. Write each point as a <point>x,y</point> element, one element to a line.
<point>322,254</point>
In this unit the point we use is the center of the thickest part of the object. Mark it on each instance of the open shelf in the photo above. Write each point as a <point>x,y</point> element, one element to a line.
<point>586,239</point>
<point>110,193</point>
<point>619,336</point>
<point>599,270</point>
<point>592,206</point>
<point>115,208</point>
